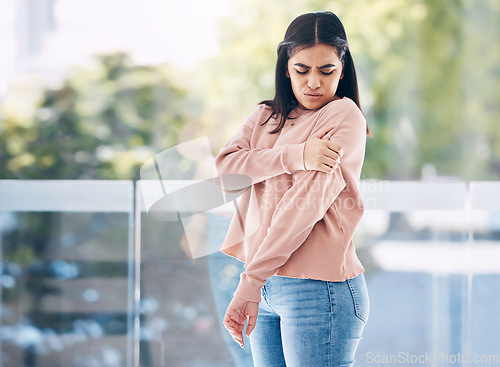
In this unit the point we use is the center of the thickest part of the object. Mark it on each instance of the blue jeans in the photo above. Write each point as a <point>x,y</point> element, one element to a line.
<point>308,322</point>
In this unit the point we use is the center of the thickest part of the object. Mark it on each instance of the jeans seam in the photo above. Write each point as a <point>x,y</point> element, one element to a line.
<point>267,299</point>
<point>264,293</point>
<point>329,296</point>
<point>356,304</point>
<point>331,326</point>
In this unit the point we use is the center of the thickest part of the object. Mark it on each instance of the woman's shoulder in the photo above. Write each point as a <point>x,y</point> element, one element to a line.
<point>342,109</point>
<point>263,110</point>
<point>340,112</point>
<point>340,105</point>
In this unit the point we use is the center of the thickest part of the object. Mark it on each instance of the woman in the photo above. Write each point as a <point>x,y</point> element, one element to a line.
<point>303,290</point>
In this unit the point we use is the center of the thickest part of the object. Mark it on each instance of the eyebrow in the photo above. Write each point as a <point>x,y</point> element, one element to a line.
<point>321,67</point>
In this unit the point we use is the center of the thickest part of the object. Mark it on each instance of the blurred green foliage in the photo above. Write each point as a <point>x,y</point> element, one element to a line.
<point>429,83</point>
<point>102,123</point>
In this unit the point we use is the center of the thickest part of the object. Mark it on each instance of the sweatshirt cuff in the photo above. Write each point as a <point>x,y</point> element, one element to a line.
<point>294,157</point>
<point>248,289</point>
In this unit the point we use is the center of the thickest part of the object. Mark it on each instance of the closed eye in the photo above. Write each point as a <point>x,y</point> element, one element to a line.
<point>306,71</point>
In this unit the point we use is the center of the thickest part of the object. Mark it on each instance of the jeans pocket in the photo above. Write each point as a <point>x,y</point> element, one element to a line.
<point>359,293</point>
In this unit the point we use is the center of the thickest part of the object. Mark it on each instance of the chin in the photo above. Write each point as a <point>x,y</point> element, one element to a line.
<point>315,105</point>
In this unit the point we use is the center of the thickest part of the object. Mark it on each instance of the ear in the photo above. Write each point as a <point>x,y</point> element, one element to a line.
<point>287,74</point>
<point>342,75</point>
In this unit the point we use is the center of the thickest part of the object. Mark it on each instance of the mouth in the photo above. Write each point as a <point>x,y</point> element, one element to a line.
<point>312,95</point>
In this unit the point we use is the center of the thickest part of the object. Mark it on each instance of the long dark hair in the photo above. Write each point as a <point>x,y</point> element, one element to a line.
<point>306,31</point>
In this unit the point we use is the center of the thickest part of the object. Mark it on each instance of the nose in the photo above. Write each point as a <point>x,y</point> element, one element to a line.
<point>313,81</point>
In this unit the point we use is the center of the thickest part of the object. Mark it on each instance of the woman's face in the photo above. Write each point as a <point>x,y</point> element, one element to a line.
<point>315,73</point>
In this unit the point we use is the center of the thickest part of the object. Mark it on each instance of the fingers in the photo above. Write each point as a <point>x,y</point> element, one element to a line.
<point>332,161</point>
<point>238,338</point>
<point>328,169</point>
<point>325,134</point>
<point>236,316</point>
<point>328,134</point>
<point>329,163</point>
<point>335,147</point>
<point>235,329</point>
<point>252,320</point>
<point>233,322</point>
<point>331,157</point>
<point>323,154</point>
<point>331,168</point>
<point>331,146</point>
<point>321,132</point>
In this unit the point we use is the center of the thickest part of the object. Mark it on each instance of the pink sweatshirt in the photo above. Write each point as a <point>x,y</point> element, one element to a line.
<point>296,222</point>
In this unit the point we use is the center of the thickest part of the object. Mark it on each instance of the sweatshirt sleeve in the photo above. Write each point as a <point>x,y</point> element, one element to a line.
<point>237,156</point>
<point>304,204</point>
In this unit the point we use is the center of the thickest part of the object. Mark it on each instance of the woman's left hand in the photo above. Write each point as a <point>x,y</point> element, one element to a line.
<point>236,315</point>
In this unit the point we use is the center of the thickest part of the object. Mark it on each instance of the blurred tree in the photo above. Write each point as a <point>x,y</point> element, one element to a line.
<point>103,123</point>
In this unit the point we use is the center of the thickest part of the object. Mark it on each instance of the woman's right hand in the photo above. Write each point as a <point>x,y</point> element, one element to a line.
<point>320,153</point>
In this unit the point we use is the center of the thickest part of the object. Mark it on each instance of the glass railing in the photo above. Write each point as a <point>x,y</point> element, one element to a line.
<point>89,279</point>
<point>67,273</point>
